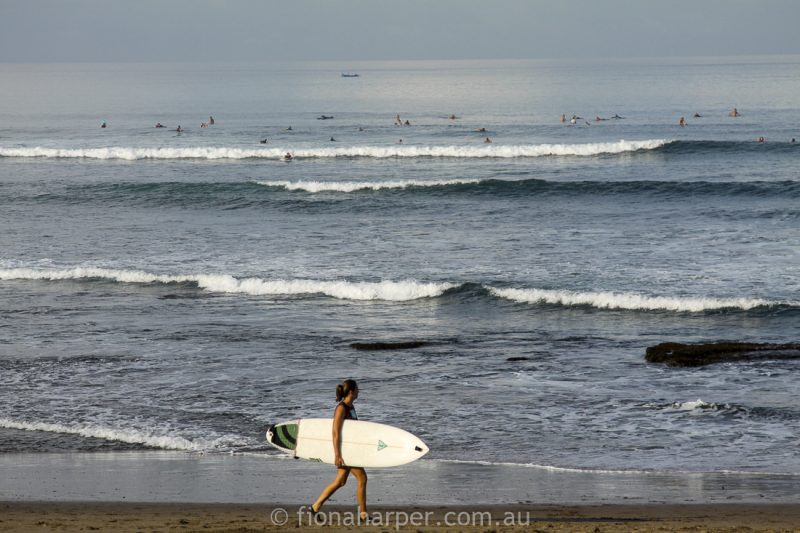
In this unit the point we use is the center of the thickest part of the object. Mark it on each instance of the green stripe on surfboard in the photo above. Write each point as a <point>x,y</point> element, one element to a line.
<point>291,430</point>
<point>286,436</point>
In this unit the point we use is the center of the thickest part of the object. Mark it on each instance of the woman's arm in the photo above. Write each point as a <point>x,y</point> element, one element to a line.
<point>338,422</point>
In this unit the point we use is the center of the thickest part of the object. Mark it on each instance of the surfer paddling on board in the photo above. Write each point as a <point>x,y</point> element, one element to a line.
<point>346,394</point>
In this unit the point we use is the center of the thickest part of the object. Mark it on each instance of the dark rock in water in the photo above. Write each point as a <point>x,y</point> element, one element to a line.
<point>388,345</point>
<point>678,354</point>
<point>512,359</point>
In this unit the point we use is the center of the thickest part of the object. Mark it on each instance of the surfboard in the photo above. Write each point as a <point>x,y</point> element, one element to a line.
<point>365,444</point>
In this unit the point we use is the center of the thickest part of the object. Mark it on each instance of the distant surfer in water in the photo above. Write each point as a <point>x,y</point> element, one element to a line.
<point>346,394</point>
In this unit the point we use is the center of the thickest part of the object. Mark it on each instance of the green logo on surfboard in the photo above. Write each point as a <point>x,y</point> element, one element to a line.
<point>381,445</point>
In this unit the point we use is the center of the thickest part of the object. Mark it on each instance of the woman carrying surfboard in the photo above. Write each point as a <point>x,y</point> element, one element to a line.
<point>346,394</point>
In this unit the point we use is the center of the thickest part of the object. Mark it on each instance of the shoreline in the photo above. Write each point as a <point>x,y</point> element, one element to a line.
<point>130,517</point>
<point>185,477</point>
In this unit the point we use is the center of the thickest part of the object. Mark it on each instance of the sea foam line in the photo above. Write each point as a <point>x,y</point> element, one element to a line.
<point>630,301</point>
<point>223,283</point>
<point>120,435</point>
<point>484,151</point>
<point>588,470</point>
<point>547,468</point>
<point>350,186</point>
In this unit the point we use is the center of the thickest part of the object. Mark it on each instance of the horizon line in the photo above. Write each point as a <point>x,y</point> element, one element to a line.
<point>392,60</point>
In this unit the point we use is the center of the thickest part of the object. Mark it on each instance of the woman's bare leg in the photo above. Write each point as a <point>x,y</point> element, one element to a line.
<point>361,476</point>
<point>341,479</point>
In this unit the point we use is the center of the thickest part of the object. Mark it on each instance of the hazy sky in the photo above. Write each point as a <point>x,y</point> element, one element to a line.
<point>246,30</point>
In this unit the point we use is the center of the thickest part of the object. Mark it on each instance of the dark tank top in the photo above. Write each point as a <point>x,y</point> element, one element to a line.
<point>349,411</point>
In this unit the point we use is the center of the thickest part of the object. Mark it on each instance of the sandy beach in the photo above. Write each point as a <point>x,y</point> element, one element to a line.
<point>124,517</point>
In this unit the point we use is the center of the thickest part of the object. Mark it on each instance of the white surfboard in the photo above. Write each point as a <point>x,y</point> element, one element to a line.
<point>365,444</point>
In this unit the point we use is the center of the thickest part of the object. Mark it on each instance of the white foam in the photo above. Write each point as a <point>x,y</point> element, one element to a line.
<point>350,186</point>
<point>547,468</point>
<point>632,301</point>
<point>484,151</point>
<point>587,470</point>
<point>122,276</point>
<point>222,283</point>
<point>133,154</point>
<point>345,290</point>
<point>690,406</point>
<point>89,430</point>
<point>696,405</point>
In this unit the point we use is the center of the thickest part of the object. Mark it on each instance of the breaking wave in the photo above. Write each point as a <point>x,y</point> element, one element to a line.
<point>400,291</point>
<point>350,186</point>
<point>489,151</point>
<point>630,301</point>
<point>222,283</point>
<point>145,438</point>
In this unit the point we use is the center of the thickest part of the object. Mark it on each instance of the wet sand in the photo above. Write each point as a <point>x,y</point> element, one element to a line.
<point>215,493</point>
<point>133,517</point>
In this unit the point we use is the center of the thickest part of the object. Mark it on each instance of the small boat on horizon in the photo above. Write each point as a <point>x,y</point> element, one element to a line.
<point>349,75</point>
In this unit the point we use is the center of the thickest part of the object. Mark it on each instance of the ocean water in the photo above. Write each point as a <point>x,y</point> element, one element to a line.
<point>165,290</point>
